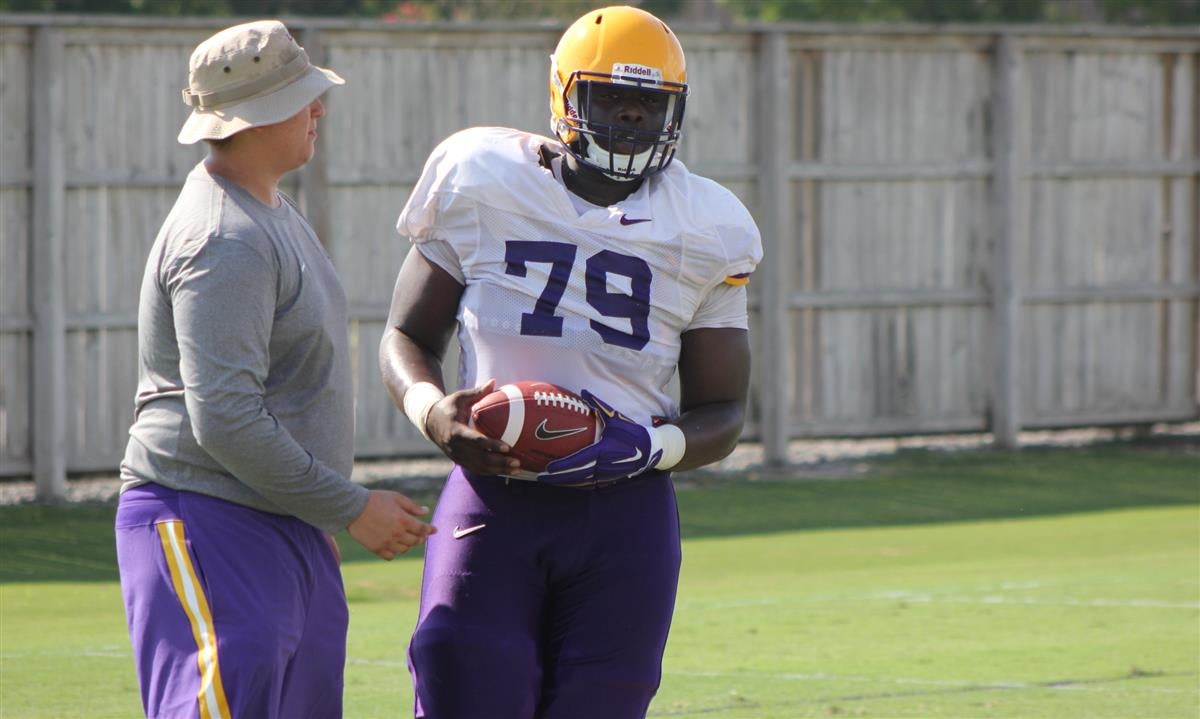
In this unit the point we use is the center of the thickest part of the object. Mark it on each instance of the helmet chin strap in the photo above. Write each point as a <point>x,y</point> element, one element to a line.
<point>602,159</point>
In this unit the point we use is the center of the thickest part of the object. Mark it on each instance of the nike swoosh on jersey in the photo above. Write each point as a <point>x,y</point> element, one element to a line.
<point>544,432</point>
<point>460,533</point>
<point>625,220</point>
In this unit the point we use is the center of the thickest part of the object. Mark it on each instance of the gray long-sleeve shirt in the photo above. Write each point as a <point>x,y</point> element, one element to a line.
<point>244,377</point>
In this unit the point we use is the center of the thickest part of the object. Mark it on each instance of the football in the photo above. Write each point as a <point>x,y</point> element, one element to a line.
<point>540,421</point>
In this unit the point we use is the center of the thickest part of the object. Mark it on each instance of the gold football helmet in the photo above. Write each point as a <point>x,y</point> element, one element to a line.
<point>633,50</point>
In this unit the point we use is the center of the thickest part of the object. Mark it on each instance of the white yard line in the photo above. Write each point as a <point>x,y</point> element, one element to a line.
<point>1066,685</point>
<point>934,598</point>
<point>90,654</point>
<point>990,599</point>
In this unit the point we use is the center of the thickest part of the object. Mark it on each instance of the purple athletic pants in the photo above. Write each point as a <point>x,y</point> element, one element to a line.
<point>232,612</point>
<point>547,602</point>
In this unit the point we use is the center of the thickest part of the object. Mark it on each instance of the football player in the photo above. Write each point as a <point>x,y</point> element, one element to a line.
<point>596,261</point>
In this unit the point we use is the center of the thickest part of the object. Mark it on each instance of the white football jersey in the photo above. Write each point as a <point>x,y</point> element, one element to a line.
<point>594,300</point>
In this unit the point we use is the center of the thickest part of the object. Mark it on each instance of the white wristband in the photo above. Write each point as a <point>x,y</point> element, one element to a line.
<point>418,400</point>
<point>669,438</point>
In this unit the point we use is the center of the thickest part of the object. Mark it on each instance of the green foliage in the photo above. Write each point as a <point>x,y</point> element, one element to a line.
<point>1174,12</point>
<point>887,11</point>
<point>1177,12</point>
<point>239,8</point>
<point>388,10</point>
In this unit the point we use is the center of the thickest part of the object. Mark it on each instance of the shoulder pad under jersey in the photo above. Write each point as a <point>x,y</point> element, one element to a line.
<point>712,211</point>
<point>491,165</point>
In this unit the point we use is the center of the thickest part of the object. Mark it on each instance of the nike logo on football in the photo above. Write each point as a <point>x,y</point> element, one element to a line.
<point>460,533</point>
<point>627,221</point>
<point>544,432</point>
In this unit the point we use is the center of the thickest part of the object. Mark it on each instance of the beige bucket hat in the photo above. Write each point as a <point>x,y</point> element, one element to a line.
<point>247,76</point>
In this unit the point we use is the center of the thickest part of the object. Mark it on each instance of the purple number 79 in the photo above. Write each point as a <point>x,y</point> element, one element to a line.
<point>634,306</point>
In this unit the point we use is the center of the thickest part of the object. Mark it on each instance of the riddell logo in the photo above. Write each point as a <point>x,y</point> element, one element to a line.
<point>632,71</point>
<point>635,70</point>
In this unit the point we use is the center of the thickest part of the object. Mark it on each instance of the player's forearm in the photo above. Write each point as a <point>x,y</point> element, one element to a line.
<point>403,362</point>
<point>711,431</point>
<point>420,323</point>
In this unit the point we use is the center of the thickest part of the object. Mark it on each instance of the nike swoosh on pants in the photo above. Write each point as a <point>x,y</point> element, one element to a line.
<point>460,533</point>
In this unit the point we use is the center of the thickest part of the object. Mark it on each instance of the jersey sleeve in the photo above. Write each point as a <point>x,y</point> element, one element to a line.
<point>441,253</point>
<point>723,306</point>
<point>743,244</point>
<point>440,222</point>
<point>737,249</point>
<point>733,251</point>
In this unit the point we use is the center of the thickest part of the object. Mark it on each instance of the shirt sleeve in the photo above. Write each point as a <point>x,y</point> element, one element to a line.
<point>444,227</point>
<point>223,297</point>
<point>440,221</point>
<point>740,251</point>
<point>442,254</point>
<point>723,306</point>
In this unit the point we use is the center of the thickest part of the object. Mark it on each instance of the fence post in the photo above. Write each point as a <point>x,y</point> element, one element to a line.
<point>314,177</point>
<point>47,300</point>
<point>774,352</point>
<point>1009,223</point>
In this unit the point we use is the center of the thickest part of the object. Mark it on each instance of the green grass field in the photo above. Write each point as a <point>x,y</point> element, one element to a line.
<point>1048,583</point>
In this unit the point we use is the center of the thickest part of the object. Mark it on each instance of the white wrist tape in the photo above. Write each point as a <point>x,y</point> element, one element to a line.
<point>418,400</point>
<point>669,438</point>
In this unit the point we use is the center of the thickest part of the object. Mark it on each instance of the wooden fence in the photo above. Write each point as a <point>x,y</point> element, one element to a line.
<point>966,228</point>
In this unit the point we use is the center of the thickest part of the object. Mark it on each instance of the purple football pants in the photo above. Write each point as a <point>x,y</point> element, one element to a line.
<point>547,602</point>
<point>232,612</point>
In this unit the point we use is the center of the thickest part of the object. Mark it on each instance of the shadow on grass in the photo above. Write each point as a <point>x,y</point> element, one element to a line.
<point>41,543</point>
<point>922,486</point>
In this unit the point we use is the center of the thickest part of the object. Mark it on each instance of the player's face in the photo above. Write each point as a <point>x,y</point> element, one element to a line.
<point>626,108</point>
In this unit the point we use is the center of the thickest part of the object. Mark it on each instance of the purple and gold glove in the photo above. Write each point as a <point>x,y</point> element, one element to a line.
<point>625,449</point>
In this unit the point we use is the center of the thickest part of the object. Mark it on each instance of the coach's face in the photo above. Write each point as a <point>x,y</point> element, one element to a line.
<point>290,144</point>
<point>627,108</point>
